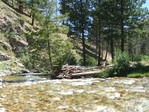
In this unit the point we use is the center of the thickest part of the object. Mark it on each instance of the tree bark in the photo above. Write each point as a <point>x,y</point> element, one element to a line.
<point>107,50</point>
<point>112,48</point>
<point>82,33</point>
<point>32,13</point>
<point>50,57</point>
<point>20,6</point>
<point>122,26</point>
<point>84,50</point>
<point>99,50</point>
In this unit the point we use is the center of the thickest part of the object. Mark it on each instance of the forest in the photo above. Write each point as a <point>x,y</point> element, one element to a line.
<point>84,32</point>
<point>74,56</point>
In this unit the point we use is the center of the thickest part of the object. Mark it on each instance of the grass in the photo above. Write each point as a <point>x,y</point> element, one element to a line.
<point>105,74</point>
<point>135,75</point>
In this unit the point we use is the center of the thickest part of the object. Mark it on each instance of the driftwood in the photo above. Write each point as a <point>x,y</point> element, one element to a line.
<point>77,75</point>
<point>78,71</point>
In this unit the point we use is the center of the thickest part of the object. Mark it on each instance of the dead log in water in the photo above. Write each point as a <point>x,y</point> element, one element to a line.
<point>85,74</point>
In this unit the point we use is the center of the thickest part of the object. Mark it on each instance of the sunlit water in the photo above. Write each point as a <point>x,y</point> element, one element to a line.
<point>36,94</point>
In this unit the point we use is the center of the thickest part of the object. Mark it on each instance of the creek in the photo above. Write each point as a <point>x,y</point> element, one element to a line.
<point>33,93</point>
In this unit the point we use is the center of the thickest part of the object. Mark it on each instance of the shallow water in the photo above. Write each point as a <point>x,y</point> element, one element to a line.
<point>36,94</point>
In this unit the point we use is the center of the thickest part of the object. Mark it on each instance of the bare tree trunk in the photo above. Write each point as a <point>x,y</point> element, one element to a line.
<point>50,57</point>
<point>112,48</point>
<point>122,26</point>
<point>99,42</point>
<point>82,33</point>
<point>32,13</point>
<point>99,50</point>
<point>20,6</point>
<point>84,51</point>
<point>107,50</point>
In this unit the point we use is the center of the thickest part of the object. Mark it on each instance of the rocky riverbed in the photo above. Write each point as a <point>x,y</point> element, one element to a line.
<point>35,94</point>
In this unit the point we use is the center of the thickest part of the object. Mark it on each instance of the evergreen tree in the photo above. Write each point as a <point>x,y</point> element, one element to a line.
<point>47,43</point>
<point>78,19</point>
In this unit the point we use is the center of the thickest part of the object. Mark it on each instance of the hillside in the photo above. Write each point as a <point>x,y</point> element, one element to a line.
<point>13,43</point>
<point>12,40</point>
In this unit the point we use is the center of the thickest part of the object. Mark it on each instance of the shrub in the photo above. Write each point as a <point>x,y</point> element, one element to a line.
<point>26,60</point>
<point>137,58</point>
<point>121,63</point>
<point>71,60</point>
<point>145,58</point>
<point>104,74</point>
<point>90,61</point>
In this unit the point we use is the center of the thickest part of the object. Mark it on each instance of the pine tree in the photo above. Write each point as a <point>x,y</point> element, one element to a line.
<point>78,19</point>
<point>47,44</point>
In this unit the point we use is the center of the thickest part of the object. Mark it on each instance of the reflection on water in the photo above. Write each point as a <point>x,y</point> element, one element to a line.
<point>38,93</point>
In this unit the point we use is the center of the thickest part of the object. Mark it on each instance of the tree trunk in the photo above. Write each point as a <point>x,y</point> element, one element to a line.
<point>99,50</point>
<point>82,33</point>
<point>50,57</point>
<point>33,20</point>
<point>84,51</point>
<point>32,13</point>
<point>99,42</point>
<point>122,26</point>
<point>20,6</point>
<point>112,48</point>
<point>107,50</point>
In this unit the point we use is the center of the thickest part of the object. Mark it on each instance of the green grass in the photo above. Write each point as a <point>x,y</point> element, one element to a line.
<point>135,75</point>
<point>105,74</point>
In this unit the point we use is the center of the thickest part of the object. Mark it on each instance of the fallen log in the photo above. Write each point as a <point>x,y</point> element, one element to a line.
<point>83,74</point>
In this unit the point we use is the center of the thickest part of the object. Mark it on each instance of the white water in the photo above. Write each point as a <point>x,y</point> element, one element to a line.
<point>103,95</point>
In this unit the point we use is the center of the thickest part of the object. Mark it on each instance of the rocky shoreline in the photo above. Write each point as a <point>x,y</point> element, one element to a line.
<point>11,67</point>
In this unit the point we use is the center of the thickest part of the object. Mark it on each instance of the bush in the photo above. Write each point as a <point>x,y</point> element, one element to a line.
<point>145,58</point>
<point>71,60</point>
<point>137,58</point>
<point>26,60</point>
<point>90,61</point>
<point>121,63</point>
